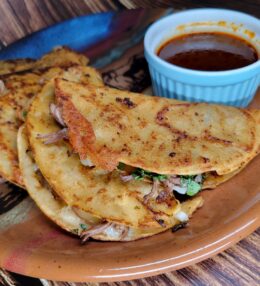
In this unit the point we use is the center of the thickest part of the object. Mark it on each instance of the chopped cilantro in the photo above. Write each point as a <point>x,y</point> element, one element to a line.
<point>121,166</point>
<point>192,187</point>
<point>137,177</point>
<point>24,113</point>
<point>187,181</point>
<point>140,174</point>
<point>160,177</point>
<point>83,226</point>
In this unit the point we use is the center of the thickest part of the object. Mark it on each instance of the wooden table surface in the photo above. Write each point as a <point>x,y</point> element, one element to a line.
<point>239,265</point>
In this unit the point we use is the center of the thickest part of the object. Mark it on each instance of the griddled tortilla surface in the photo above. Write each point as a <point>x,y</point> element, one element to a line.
<point>99,193</point>
<point>62,57</point>
<point>9,124</point>
<point>111,126</point>
<point>14,106</point>
<point>13,66</point>
<point>16,93</point>
<point>64,216</point>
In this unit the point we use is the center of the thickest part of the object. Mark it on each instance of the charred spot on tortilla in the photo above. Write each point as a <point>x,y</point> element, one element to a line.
<point>205,159</point>
<point>126,101</point>
<point>172,154</point>
<point>179,226</point>
<point>160,115</point>
<point>15,66</point>
<point>161,222</point>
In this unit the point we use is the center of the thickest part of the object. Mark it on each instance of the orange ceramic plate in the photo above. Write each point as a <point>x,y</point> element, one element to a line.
<point>32,245</point>
<point>36,247</point>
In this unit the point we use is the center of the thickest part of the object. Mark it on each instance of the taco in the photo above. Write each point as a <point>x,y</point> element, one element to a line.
<point>17,91</point>
<point>71,218</point>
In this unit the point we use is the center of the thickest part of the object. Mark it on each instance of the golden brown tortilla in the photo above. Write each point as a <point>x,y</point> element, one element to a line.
<point>111,126</point>
<point>20,80</point>
<point>101,194</point>
<point>13,66</point>
<point>61,56</point>
<point>64,216</point>
<point>14,106</point>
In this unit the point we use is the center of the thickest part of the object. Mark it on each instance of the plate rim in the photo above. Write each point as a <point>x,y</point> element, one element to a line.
<point>241,227</point>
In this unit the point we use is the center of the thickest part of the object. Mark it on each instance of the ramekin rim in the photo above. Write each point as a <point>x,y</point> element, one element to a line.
<point>167,65</point>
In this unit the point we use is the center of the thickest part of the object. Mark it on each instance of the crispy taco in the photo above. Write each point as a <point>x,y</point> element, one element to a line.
<point>60,56</point>
<point>17,91</point>
<point>114,155</point>
<point>187,146</point>
<point>69,217</point>
<point>14,66</point>
<point>98,192</point>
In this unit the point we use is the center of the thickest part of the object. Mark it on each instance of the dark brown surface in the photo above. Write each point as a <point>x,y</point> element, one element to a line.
<point>237,265</point>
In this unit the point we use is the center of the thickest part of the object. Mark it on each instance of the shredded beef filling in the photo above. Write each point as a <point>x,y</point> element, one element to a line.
<point>59,135</point>
<point>54,137</point>
<point>188,185</point>
<point>153,193</point>
<point>94,230</point>
<point>56,113</point>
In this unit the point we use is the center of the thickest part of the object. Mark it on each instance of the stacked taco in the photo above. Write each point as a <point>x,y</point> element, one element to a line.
<point>20,81</point>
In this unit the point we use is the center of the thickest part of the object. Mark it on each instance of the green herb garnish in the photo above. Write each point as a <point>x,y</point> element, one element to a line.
<point>83,226</point>
<point>140,174</point>
<point>25,113</point>
<point>192,187</point>
<point>121,166</point>
<point>161,177</point>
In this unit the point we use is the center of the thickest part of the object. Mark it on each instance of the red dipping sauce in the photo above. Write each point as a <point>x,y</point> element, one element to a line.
<point>209,51</point>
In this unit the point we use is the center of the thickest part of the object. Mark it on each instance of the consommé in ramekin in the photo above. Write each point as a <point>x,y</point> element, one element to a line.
<point>231,87</point>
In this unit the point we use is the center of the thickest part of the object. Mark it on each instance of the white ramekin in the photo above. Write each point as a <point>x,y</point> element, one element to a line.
<point>233,87</point>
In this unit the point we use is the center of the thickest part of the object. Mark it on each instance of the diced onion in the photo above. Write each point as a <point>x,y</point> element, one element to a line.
<point>181,216</point>
<point>198,178</point>
<point>180,190</point>
<point>87,163</point>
